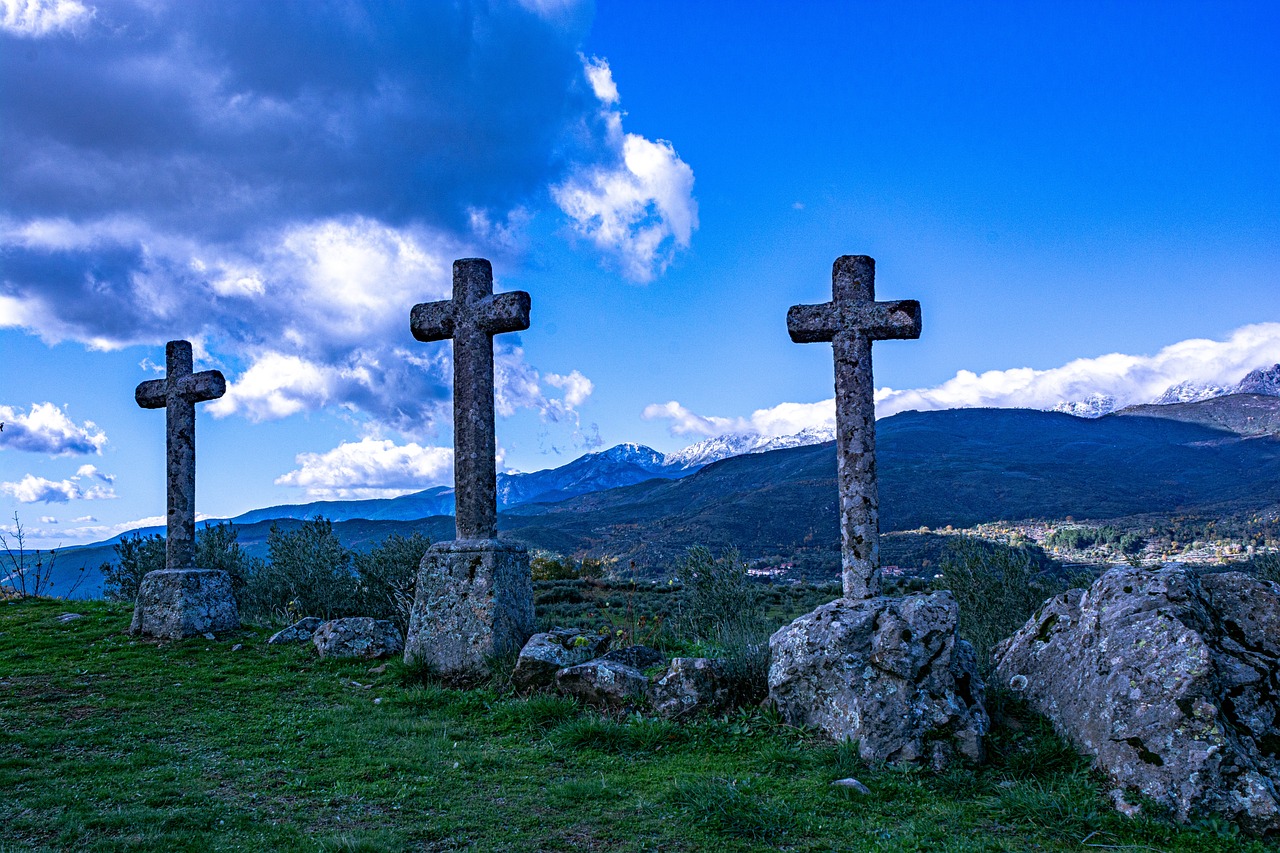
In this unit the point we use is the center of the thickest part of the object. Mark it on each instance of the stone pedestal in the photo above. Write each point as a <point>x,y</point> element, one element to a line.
<point>887,672</point>
<point>177,603</point>
<point>474,601</point>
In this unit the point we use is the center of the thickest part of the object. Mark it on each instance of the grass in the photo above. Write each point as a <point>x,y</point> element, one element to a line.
<point>108,743</point>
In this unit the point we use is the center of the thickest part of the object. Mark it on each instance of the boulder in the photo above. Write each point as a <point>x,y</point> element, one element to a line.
<point>1169,680</point>
<point>604,683</point>
<point>298,632</point>
<point>638,657</point>
<point>546,654</point>
<point>888,673</point>
<point>176,603</point>
<point>357,637</point>
<point>690,686</point>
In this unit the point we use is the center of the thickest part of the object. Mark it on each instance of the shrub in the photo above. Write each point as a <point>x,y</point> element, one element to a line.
<point>1264,566</point>
<point>135,556</point>
<point>998,588</point>
<point>309,573</point>
<point>386,577</point>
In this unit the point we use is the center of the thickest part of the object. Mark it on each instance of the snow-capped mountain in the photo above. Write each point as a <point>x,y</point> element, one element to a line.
<point>1191,392</point>
<point>1264,381</point>
<point>622,465</point>
<point>723,446</point>
<point>1093,406</point>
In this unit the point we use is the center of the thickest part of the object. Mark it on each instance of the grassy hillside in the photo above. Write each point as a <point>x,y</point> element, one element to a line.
<point>109,743</point>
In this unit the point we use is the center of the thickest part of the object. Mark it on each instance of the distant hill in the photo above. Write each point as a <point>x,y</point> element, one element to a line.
<point>1242,414</point>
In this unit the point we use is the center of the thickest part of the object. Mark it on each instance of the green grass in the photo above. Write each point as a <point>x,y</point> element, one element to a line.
<point>110,743</point>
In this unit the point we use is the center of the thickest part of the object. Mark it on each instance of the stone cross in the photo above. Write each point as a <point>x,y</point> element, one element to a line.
<point>472,318</point>
<point>178,394</point>
<point>851,321</point>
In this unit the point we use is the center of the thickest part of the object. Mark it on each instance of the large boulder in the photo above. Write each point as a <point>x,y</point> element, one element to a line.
<point>1169,680</point>
<point>548,653</point>
<point>888,673</point>
<point>604,683</point>
<point>177,603</point>
<point>638,657</point>
<point>358,637</point>
<point>691,686</point>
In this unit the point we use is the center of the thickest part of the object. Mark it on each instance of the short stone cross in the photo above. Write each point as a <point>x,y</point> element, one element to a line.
<point>471,319</point>
<point>851,321</point>
<point>177,394</point>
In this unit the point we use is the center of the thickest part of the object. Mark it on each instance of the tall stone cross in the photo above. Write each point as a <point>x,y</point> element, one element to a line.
<point>851,321</point>
<point>178,394</point>
<point>472,318</point>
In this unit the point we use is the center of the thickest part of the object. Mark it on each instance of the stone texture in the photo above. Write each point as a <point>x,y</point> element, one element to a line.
<point>471,319</point>
<point>604,683</point>
<point>177,394</point>
<point>474,601</point>
<point>851,321</point>
<point>548,653</point>
<point>357,637</point>
<point>177,603</point>
<point>298,632</point>
<point>888,673</point>
<point>639,657</point>
<point>690,686</point>
<point>1169,680</point>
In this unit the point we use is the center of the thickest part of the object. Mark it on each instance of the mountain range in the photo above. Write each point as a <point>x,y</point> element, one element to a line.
<point>1264,382</point>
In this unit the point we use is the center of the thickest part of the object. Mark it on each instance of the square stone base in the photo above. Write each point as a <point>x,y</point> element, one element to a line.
<point>473,602</point>
<point>177,603</point>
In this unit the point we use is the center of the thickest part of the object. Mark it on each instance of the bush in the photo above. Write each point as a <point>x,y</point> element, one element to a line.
<point>386,577</point>
<point>309,574</point>
<point>998,588</point>
<point>1264,566</point>
<point>135,556</point>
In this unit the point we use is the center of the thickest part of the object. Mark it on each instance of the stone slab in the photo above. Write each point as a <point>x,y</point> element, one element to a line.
<point>473,602</point>
<point>173,604</point>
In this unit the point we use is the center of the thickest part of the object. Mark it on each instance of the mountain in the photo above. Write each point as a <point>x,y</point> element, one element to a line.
<point>724,446</point>
<point>622,465</point>
<point>1190,392</point>
<point>1093,406</point>
<point>1265,381</point>
<point>1242,414</point>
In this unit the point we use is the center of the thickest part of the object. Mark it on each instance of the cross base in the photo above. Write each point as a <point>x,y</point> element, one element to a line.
<point>177,603</point>
<point>473,603</point>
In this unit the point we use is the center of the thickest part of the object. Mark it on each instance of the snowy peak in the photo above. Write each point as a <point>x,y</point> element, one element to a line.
<point>1264,381</point>
<point>738,444</point>
<point>1093,406</point>
<point>1191,392</point>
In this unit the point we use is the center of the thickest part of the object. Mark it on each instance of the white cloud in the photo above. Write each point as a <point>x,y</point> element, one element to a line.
<point>46,428</point>
<point>276,386</point>
<point>640,208</point>
<point>577,388</point>
<point>92,471</point>
<point>39,18</point>
<point>48,519</point>
<point>1129,379</point>
<point>371,468</point>
<point>33,489</point>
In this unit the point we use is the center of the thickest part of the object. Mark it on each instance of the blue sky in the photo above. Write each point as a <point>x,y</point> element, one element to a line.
<point>1085,198</point>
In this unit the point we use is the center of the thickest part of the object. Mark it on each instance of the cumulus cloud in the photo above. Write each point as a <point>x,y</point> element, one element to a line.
<point>40,18</point>
<point>190,170</point>
<point>33,489</point>
<point>1127,379</point>
<point>639,208</point>
<point>371,468</point>
<point>46,428</point>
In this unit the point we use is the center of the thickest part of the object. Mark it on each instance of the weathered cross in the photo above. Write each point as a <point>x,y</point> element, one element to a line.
<point>178,394</point>
<point>472,318</point>
<point>851,321</point>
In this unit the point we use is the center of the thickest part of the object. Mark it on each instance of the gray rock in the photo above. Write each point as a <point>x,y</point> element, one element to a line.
<point>298,632</point>
<point>474,602</point>
<point>853,785</point>
<point>1169,680</point>
<point>639,657</point>
<point>546,654</point>
<point>690,686</point>
<point>888,673</point>
<point>69,617</point>
<point>357,637</point>
<point>176,603</point>
<point>851,321</point>
<point>604,683</point>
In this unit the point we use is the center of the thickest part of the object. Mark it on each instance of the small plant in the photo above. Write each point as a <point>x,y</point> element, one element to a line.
<point>27,573</point>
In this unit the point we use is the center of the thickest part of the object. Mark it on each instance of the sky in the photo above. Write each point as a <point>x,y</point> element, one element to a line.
<point>1085,199</point>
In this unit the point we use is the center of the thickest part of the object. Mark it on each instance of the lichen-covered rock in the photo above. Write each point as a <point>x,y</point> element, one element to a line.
<point>690,686</point>
<point>177,603</point>
<point>1169,680</point>
<point>548,653</point>
<point>357,637</point>
<point>473,602</point>
<point>639,657</point>
<point>298,632</point>
<point>605,683</point>
<point>888,673</point>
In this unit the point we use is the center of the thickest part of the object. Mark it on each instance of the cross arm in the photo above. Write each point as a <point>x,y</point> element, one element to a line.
<point>432,321</point>
<point>206,385</point>
<point>808,324</point>
<point>504,312</point>
<point>151,394</point>
<point>898,320</point>
<point>811,324</point>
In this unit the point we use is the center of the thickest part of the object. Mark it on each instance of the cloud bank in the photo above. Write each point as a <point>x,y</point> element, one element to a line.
<point>371,468</point>
<point>279,183</point>
<point>33,489</point>
<point>46,428</point>
<point>1128,379</point>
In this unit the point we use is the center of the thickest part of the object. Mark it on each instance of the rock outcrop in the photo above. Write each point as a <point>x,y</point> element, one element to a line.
<point>358,637</point>
<point>889,673</point>
<point>546,654</point>
<point>604,683</point>
<point>1169,680</point>
<point>298,632</point>
<point>690,686</point>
